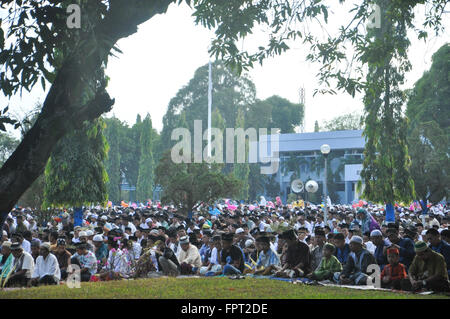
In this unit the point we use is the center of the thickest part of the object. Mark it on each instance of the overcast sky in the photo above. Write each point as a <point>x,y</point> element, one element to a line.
<point>164,54</point>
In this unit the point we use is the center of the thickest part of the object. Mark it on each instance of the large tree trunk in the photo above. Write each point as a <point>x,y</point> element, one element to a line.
<point>64,108</point>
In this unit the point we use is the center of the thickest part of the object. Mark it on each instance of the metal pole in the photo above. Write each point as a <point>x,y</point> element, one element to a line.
<point>325,191</point>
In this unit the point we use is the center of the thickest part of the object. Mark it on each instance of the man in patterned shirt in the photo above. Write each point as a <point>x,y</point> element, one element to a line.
<point>86,260</point>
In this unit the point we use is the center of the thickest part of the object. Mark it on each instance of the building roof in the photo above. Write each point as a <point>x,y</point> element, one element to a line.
<point>306,142</point>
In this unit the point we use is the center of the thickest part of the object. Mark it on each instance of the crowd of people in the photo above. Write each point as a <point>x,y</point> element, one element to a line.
<point>412,252</point>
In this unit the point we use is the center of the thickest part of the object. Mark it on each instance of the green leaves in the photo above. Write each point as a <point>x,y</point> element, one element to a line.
<point>75,175</point>
<point>5,119</point>
<point>145,184</point>
<point>428,129</point>
<point>187,184</point>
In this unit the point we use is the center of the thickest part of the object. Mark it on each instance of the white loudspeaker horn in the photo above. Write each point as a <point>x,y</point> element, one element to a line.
<point>297,186</point>
<point>311,186</point>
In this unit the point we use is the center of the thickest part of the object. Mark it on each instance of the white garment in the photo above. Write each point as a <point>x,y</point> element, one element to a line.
<point>118,262</point>
<point>137,249</point>
<point>262,226</point>
<point>214,256</point>
<point>26,246</point>
<point>113,262</point>
<point>47,266</point>
<point>144,226</point>
<point>370,247</point>
<point>191,256</point>
<point>306,224</point>
<point>28,263</point>
<point>131,225</point>
<point>27,224</point>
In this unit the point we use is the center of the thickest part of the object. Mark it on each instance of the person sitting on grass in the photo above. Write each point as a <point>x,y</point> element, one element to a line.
<point>22,269</point>
<point>167,260</point>
<point>205,249</point>
<point>100,249</point>
<point>86,260</point>
<point>428,270</point>
<point>298,257</point>
<point>342,249</point>
<point>46,270</point>
<point>394,273</point>
<point>439,246</point>
<point>35,249</point>
<point>317,251</point>
<point>189,257</point>
<point>232,257</point>
<point>268,261</point>
<point>328,265</point>
<point>119,264</point>
<point>63,256</point>
<point>404,245</point>
<point>214,267</point>
<point>6,260</point>
<point>354,272</point>
<point>377,239</point>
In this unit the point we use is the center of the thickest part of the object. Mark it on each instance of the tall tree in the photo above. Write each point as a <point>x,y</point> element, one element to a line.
<point>185,185</point>
<point>8,144</point>
<point>144,186</point>
<point>428,111</point>
<point>316,126</point>
<point>285,115</point>
<point>78,92</point>
<point>75,174</point>
<point>350,121</point>
<point>133,146</point>
<point>230,94</point>
<point>386,162</point>
<point>112,135</point>
<point>242,170</point>
<point>42,47</point>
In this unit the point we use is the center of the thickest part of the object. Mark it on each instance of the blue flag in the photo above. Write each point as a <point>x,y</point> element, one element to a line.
<point>390,214</point>
<point>77,216</point>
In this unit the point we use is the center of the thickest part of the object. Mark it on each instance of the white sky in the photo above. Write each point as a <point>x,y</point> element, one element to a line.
<point>164,54</point>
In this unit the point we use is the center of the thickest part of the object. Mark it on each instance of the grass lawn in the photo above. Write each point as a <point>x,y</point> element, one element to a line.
<point>202,288</point>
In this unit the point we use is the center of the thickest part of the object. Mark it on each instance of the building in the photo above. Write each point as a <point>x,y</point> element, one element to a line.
<point>300,157</point>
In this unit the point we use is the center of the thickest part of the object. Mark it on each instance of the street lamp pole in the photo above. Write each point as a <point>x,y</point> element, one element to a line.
<point>325,149</point>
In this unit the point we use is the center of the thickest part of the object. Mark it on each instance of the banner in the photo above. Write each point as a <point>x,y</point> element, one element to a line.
<point>390,214</point>
<point>77,216</point>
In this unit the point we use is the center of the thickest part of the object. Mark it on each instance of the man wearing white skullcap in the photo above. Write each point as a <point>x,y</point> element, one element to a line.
<point>355,270</point>
<point>46,270</point>
<point>376,236</point>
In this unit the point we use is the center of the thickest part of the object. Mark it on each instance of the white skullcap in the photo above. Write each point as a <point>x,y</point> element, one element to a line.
<point>248,243</point>
<point>98,238</point>
<point>356,239</point>
<point>375,233</point>
<point>239,231</point>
